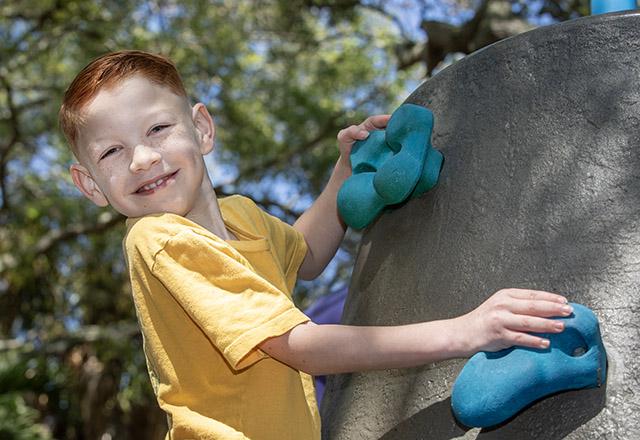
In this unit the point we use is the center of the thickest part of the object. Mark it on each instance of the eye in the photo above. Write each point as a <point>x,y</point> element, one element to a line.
<point>158,128</point>
<point>109,151</point>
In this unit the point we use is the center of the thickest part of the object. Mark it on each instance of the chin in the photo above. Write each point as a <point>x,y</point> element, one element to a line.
<point>138,211</point>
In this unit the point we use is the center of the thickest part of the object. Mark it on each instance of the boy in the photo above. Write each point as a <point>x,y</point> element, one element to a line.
<point>228,353</point>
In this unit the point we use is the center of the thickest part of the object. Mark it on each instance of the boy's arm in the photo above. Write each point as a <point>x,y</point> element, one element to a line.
<point>321,225</point>
<point>505,319</point>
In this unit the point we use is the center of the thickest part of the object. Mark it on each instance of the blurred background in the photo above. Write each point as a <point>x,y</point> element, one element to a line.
<point>281,79</point>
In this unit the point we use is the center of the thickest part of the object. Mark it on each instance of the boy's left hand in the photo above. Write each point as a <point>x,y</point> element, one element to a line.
<point>347,136</point>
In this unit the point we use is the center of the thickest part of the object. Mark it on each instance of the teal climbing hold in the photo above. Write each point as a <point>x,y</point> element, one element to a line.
<point>492,387</point>
<point>390,166</point>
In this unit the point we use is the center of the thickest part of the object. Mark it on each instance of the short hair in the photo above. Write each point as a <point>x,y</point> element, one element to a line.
<point>107,71</point>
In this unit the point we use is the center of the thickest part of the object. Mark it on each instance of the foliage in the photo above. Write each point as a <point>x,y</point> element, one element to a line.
<point>280,77</point>
<point>18,421</point>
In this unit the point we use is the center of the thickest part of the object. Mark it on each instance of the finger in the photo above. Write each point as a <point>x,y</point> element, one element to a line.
<point>377,122</point>
<point>522,323</point>
<point>526,340</point>
<point>541,308</point>
<point>537,294</point>
<point>351,134</point>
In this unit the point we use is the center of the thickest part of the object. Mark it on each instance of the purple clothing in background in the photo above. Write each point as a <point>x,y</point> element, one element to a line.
<point>326,310</point>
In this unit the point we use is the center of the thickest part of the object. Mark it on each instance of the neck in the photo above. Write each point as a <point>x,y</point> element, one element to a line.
<point>207,212</point>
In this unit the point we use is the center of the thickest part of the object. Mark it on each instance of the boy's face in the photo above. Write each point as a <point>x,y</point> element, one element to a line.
<point>141,150</point>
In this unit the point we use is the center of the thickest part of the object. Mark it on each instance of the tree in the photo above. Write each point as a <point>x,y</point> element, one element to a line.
<point>280,77</point>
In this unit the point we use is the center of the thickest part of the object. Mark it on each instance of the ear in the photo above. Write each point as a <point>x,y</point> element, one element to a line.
<point>85,183</point>
<point>204,126</point>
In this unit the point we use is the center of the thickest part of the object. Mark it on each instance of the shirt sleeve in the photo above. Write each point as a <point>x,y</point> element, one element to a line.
<point>289,243</point>
<point>235,307</point>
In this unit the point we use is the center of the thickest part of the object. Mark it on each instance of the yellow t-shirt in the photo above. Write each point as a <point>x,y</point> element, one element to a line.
<point>204,305</point>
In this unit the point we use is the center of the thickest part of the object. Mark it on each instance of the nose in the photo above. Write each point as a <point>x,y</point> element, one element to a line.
<point>144,157</point>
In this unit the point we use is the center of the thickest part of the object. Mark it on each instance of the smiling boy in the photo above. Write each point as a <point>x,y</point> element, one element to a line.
<point>228,353</point>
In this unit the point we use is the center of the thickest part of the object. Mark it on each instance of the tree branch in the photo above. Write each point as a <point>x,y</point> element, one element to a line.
<point>266,202</point>
<point>60,343</point>
<point>312,143</point>
<point>255,168</point>
<point>492,21</point>
<point>40,21</point>
<point>105,221</point>
<point>6,148</point>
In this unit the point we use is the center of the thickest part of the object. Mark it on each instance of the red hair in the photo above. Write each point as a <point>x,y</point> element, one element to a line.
<point>107,71</point>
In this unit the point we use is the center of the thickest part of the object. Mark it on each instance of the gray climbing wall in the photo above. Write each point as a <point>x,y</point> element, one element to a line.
<point>541,189</point>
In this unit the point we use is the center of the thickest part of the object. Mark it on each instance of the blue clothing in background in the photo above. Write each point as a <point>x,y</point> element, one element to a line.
<point>326,310</point>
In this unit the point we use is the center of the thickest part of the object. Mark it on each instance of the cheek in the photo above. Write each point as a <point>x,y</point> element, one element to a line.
<point>113,181</point>
<point>181,148</point>
<point>113,170</point>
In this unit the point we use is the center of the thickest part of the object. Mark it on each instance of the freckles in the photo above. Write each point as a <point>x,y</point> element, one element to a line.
<point>180,133</point>
<point>180,130</point>
<point>112,181</point>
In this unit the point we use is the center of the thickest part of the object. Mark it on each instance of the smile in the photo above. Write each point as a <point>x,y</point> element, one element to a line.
<point>150,188</point>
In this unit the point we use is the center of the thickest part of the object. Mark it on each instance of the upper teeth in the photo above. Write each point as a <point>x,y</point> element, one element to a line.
<point>154,184</point>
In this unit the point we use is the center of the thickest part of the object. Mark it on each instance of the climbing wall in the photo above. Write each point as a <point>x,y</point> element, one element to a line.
<point>541,189</point>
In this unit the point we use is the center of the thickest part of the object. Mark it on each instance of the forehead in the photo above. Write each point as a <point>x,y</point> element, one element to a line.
<point>132,95</point>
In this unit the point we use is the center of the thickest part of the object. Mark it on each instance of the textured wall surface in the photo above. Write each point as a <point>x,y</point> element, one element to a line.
<point>540,188</point>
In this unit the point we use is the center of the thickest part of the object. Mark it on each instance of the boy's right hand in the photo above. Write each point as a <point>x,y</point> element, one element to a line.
<point>509,316</point>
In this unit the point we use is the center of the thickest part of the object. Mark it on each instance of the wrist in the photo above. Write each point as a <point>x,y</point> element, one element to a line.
<point>460,342</point>
<point>343,167</point>
<point>341,172</point>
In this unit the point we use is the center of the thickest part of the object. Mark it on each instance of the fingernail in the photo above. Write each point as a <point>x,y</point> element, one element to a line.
<point>364,133</point>
<point>567,310</point>
<point>544,343</point>
<point>559,326</point>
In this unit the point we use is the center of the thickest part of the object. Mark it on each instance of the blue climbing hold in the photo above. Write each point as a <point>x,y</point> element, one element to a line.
<point>390,166</point>
<point>492,387</point>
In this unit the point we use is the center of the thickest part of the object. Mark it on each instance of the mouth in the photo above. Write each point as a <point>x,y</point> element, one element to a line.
<point>155,185</point>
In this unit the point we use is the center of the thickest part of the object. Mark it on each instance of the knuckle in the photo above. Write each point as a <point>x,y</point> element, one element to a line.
<point>502,304</point>
<point>496,325</point>
<point>495,319</point>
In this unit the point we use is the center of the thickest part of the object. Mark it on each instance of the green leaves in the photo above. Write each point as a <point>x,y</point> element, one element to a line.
<point>18,421</point>
<point>280,82</point>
